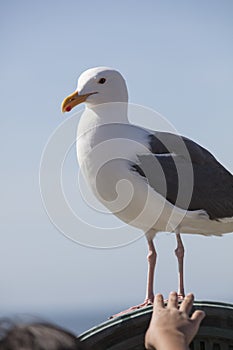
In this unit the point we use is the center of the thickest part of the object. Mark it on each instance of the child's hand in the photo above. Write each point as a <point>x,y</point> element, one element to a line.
<point>172,328</point>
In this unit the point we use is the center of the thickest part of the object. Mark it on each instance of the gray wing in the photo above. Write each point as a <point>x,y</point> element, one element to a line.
<point>187,174</point>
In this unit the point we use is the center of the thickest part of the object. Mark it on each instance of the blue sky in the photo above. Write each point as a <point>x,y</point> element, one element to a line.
<point>177,59</point>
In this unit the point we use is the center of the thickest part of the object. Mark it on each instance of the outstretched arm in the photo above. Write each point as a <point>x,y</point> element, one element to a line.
<point>172,328</point>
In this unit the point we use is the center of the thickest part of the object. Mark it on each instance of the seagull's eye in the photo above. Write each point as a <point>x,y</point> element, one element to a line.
<point>101,81</point>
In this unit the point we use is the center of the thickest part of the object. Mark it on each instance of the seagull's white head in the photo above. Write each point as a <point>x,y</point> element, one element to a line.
<point>97,86</point>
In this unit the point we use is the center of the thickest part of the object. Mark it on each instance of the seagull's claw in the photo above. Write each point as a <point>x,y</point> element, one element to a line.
<point>146,303</point>
<point>181,297</point>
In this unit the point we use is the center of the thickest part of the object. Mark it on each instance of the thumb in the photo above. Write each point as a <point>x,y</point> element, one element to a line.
<point>197,317</point>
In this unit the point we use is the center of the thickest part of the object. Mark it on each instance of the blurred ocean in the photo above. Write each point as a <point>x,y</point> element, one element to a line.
<point>76,321</point>
<point>80,322</point>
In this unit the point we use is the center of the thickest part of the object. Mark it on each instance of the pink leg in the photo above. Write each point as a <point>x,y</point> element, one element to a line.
<point>179,251</point>
<point>151,257</point>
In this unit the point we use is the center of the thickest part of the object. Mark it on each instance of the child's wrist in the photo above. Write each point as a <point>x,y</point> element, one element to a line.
<point>171,341</point>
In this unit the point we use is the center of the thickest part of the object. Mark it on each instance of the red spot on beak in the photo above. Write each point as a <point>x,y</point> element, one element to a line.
<point>68,109</point>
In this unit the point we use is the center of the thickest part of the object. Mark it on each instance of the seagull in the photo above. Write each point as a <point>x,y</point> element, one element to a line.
<point>155,181</point>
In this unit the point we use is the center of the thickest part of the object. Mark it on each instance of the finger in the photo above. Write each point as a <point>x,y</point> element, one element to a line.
<point>172,300</point>
<point>187,303</point>
<point>197,317</point>
<point>158,302</point>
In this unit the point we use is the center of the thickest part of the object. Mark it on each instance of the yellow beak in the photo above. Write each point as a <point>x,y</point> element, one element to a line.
<point>73,100</point>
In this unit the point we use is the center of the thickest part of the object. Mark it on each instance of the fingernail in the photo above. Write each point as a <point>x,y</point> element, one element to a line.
<point>173,293</point>
<point>190,295</point>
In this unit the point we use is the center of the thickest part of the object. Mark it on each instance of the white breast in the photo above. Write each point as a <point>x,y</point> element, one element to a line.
<point>100,142</point>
